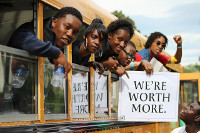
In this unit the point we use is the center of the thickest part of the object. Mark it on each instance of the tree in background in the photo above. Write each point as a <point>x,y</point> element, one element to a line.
<point>119,14</point>
<point>192,67</point>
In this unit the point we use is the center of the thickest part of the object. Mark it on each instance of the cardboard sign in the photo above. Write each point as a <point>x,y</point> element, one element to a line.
<point>149,98</point>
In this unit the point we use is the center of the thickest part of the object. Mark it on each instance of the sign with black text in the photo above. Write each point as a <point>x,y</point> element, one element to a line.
<point>80,93</point>
<point>149,98</point>
<point>101,89</point>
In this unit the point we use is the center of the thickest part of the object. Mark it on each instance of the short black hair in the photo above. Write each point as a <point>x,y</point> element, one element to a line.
<point>97,24</point>
<point>132,44</point>
<point>154,36</point>
<point>69,10</point>
<point>120,23</point>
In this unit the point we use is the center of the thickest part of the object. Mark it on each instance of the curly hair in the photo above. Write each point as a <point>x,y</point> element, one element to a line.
<point>125,24</point>
<point>97,24</point>
<point>154,36</point>
<point>68,10</point>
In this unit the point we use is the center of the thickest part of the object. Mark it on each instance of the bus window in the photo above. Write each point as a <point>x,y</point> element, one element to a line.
<point>54,97</point>
<point>80,91</point>
<point>80,84</point>
<point>13,14</point>
<point>79,38</point>
<point>54,102</point>
<point>18,100</point>
<point>80,35</point>
<point>101,94</point>
<point>190,91</point>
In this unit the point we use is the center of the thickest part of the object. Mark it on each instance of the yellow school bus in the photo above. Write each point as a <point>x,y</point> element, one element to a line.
<point>38,106</point>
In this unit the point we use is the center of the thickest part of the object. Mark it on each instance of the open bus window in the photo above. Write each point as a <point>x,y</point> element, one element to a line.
<point>101,94</point>
<point>80,92</point>
<point>13,14</point>
<point>17,95</point>
<point>54,97</point>
<point>80,35</point>
<point>76,45</point>
<point>48,11</point>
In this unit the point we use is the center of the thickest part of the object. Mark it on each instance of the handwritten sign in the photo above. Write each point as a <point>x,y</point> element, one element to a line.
<point>101,89</point>
<point>149,98</point>
<point>80,93</point>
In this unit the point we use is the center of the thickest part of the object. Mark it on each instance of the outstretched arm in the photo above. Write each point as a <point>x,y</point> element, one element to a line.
<point>178,54</point>
<point>141,66</point>
<point>24,38</point>
<point>133,66</point>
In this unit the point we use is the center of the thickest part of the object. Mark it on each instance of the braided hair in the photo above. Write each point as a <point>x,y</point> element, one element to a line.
<point>97,24</point>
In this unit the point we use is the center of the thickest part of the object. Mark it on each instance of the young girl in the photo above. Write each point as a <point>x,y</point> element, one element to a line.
<point>94,38</point>
<point>120,32</point>
<point>154,46</point>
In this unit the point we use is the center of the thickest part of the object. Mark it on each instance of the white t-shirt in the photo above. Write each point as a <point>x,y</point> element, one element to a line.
<point>180,130</point>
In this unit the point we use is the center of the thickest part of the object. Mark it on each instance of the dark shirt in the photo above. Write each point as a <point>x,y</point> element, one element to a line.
<point>76,55</point>
<point>105,55</point>
<point>24,38</point>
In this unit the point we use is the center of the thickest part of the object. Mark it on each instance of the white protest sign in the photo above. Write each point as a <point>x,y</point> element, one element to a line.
<point>101,89</point>
<point>149,98</point>
<point>80,93</point>
<point>157,65</point>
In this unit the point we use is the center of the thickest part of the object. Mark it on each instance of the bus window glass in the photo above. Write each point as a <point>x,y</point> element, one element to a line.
<point>190,91</point>
<point>18,84</point>
<point>54,96</point>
